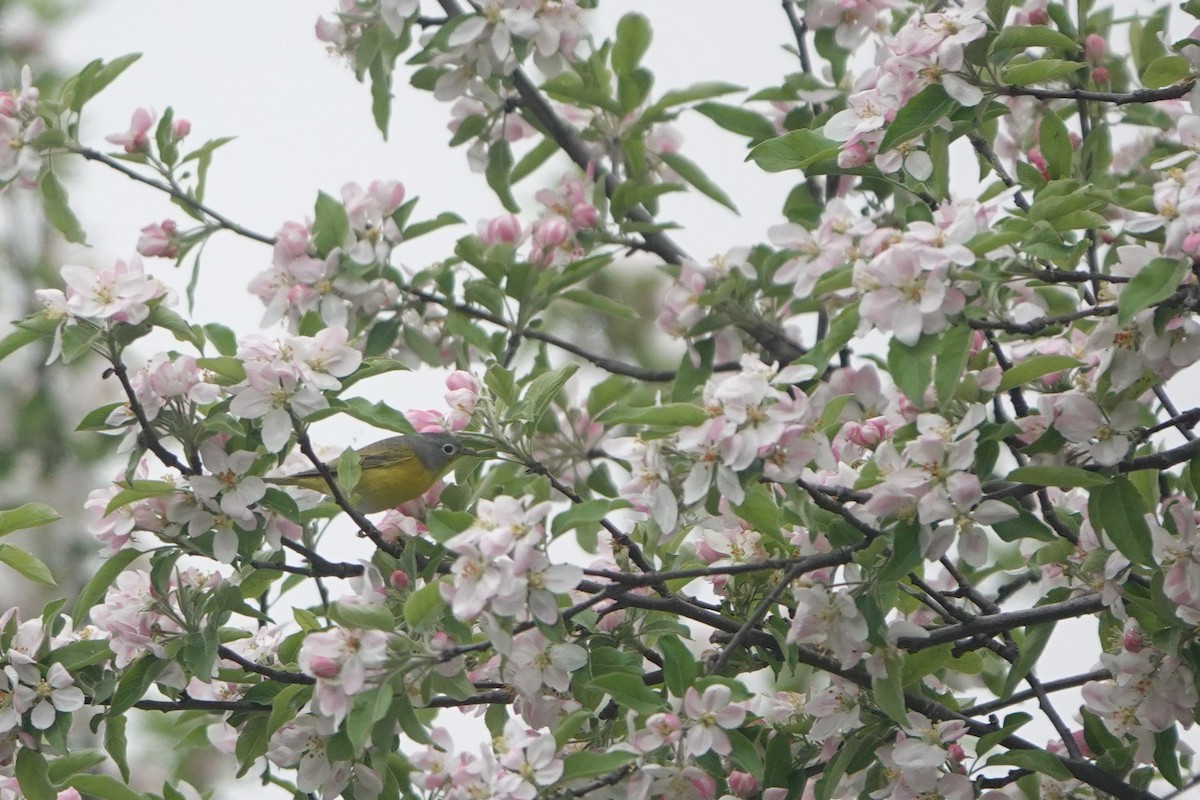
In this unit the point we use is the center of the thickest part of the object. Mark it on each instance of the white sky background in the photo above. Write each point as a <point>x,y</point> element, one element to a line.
<point>256,71</point>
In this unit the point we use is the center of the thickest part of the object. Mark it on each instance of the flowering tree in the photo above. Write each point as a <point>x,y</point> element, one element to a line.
<point>907,435</point>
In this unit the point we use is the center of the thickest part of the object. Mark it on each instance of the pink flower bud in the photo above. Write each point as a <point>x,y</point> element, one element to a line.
<point>1039,16</point>
<point>1039,162</point>
<point>8,105</point>
<point>584,215</point>
<point>955,752</point>
<point>550,233</point>
<point>399,580</point>
<point>1095,48</point>
<point>504,229</point>
<point>323,667</point>
<point>461,379</point>
<point>1100,75</point>
<point>1132,640</point>
<point>743,784</point>
<point>1191,244</point>
<point>180,129</point>
<point>158,239</point>
<point>703,784</point>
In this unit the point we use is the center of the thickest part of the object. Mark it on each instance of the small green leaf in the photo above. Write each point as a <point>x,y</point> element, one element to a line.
<point>690,94</point>
<point>381,94</point>
<point>589,511</point>
<point>679,665</point>
<point>1032,646</point>
<point>222,338</point>
<point>951,361</point>
<point>912,367</point>
<point>793,150</point>
<point>633,39</point>
<point>1019,37</point>
<point>1065,477</point>
<point>28,565</point>
<point>424,605</point>
<point>542,390</point>
<point>349,470</point>
<point>601,303</point>
<point>1038,761</point>
<point>589,764</point>
<point>1166,70</point>
<point>369,617</point>
<point>1044,69</point>
<point>498,174</point>
<point>690,172</point>
<point>889,689</point>
<point>737,119</point>
<point>30,515</point>
<point>537,156</point>
<point>331,226</point>
<point>1153,283</point>
<point>1035,367</point>
<point>115,743</point>
<point>926,109</point>
<point>429,225</point>
<point>1119,511</point>
<point>1055,144</point>
<point>138,490</point>
<point>668,414</point>
<point>28,331</point>
<point>30,771</point>
<point>58,211</point>
<point>630,691</point>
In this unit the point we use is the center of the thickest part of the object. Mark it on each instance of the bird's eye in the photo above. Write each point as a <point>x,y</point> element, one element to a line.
<point>448,449</point>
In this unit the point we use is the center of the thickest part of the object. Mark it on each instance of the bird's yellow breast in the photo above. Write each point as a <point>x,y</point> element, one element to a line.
<point>380,487</point>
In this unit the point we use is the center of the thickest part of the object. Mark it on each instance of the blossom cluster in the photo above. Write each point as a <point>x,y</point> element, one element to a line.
<point>554,237</point>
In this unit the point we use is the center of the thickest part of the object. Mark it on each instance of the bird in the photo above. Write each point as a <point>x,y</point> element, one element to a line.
<point>394,470</point>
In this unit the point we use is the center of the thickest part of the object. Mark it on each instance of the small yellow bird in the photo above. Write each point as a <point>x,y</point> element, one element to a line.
<point>394,470</point>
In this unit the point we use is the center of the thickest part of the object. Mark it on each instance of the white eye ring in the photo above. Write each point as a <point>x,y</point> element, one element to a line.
<point>448,449</point>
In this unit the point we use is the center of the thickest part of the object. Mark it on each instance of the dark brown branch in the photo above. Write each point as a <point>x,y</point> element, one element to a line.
<point>175,192</point>
<point>149,437</point>
<point>1172,92</point>
<point>997,623</point>
<point>278,675</point>
<point>1035,326</point>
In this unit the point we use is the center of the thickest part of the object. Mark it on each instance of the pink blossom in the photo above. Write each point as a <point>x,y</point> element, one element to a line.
<point>137,138</point>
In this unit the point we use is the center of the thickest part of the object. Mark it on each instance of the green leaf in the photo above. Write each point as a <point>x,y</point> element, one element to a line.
<point>30,515</point>
<point>1153,283</point>
<point>26,564</point>
<point>1038,761</point>
<point>222,338</point>
<point>589,511</point>
<point>108,571</point>
<point>369,707</point>
<point>690,172</point>
<point>498,174</point>
<point>1044,69</point>
<point>599,302</point>
<point>1065,477</point>
<point>1032,646</point>
<point>737,119</point>
<point>912,367</point>
<point>926,109</point>
<point>1019,37</point>
<point>349,470</point>
<point>889,689</point>
<point>30,772</point>
<point>533,159</point>
<point>951,361</point>
<point>906,552</point>
<point>138,490</point>
<point>633,39</point>
<point>745,754</point>
<point>423,606</point>
<point>369,617</point>
<point>1012,723</point>
<point>1166,70</point>
<point>1119,511</point>
<point>62,768</point>
<point>1035,367</point>
<point>58,211</point>
<point>422,228</point>
<point>115,743</point>
<point>589,764</point>
<point>630,691</point>
<point>793,150</point>
<point>1055,144</point>
<point>331,226</point>
<point>668,414</point>
<point>93,79</point>
<point>381,94</point>
<point>134,683</point>
<point>1166,755</point>
<point>30,330</point>
<point>542,390</point>
<point>679,665</point>
<point>689,94</point>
